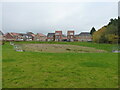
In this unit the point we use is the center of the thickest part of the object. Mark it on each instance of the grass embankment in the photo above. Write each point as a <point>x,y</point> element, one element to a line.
<point>60,70</point>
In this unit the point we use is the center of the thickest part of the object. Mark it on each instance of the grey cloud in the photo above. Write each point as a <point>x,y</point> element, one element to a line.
<point>48,17</point>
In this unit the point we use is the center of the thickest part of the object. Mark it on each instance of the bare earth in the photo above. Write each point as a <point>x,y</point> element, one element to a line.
<point>59,48</point>
<point>0,42</point>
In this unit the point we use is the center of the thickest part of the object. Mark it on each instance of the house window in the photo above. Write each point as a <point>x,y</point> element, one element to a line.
<point>71,33</point>
<point>56,33</point>
<point>56,39</point>
<point>71,36</point>
<point>50,36</point>
<point>57,36</point>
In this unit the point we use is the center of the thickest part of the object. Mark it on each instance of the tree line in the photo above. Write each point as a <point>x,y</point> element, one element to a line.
<point>107,34</point>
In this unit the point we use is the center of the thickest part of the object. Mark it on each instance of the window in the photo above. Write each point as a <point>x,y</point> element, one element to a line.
<point>56,39</point>
<point>57,36</point>
<point>56,33</point>
<point>71,36</point>
<point>71,33</point>
<point>49,36</point>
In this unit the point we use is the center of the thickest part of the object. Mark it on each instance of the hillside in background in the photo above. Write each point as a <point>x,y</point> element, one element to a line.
<point>109,33</point>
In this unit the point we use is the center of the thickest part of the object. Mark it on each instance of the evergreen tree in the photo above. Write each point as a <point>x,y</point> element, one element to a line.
<point>92,30</point>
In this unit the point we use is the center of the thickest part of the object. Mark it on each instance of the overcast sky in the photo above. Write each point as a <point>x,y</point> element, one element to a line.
<point>45,17</point>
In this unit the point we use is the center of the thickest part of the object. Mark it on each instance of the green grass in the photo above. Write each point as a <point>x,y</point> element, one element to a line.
<point>60,70</point>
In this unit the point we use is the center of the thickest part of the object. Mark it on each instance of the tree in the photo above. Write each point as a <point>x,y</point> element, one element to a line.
<point>99,36</point>
<point>92,30</point>
<point>109,33</point>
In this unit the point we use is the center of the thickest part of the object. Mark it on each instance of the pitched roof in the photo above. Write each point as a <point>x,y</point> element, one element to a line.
<point>84,33</point>
<point>77,35</point>
<point>33,35</point>
<point>30,33</point>
<point>58,31</point>
<point>40,34</point>
<point>22,34</point>
<point>50,34</point>
<point>70,31</point>
<point>14,34</point>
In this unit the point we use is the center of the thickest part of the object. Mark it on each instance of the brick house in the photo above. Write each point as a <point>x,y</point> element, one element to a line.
<point>58,35</point>
<point>27,37</point>
<point>40,37</point>
<point>11,36</point>
<point>18,37</point>
<point>64,37</point>
<point>50,36</point>
<point>70,36</point>
<point>83,37</point>
<point>77,37</point>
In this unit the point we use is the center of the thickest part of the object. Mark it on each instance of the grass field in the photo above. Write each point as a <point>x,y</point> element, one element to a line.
<point>60,70</point>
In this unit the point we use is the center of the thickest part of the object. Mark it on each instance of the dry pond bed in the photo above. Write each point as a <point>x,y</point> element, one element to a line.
<point>59,48</point>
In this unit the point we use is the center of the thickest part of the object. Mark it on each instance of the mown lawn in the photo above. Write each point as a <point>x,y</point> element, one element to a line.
<point>60,70</point>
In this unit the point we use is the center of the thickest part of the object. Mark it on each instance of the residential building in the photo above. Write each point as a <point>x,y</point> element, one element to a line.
<point>30,36</point>
<point>83,37</point>
<point>77,37</point>
<point>29,33</point>
<point>40,37</point>
<point>70,36</point>
<point>27,37</point>
<point>18,37</point>
<point>11,36</point>
<point>50,36</point>
<point>58,35</point>
<point>64,37</point>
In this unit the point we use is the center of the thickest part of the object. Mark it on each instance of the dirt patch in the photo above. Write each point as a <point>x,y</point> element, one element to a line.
<point>1,43</point>
<point>59,48</point>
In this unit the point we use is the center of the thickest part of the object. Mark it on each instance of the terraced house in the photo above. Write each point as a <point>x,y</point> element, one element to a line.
<point>11,36</point>
<point>18,37</point>
<point>83,37</point>
<point>70,36</point>
<point>51,37</point>
<point>40,37</point>
<point>58,35</point>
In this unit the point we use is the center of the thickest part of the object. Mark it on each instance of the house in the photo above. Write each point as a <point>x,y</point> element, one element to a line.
<point>58,35</point>
<point>29,33</point>
<point>1,35</point>
<point>11,36</point>
<point>18,37</point>
<point>77,37</point>
<point>27,37</point>
<point>64,37</point>
<point>70,36</point>
<point>30,36</point>
<point>40,37</point>
<point>50,36</point>
<point>21,37</point>
<point>83,37</point>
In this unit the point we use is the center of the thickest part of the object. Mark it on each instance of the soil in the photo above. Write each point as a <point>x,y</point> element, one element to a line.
<point>59,48</point>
